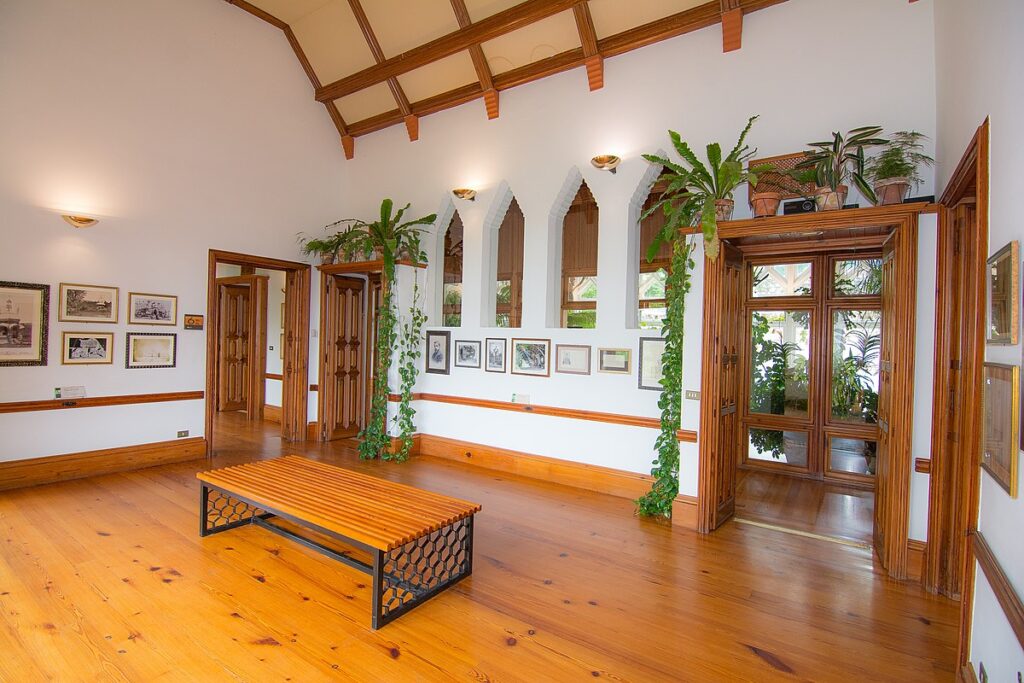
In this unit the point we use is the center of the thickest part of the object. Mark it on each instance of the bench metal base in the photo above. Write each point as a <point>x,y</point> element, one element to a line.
<point>403,578</point>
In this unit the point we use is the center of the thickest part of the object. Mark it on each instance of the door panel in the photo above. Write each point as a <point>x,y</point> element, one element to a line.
<point>344,404</point>
<point>730,336</point>
<point>233,348</point>
<point>884,457</point>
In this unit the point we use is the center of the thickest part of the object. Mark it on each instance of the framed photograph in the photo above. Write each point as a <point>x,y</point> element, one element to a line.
<point>494,347</point>
<point>1004,295</point>
<point>280,347</point>
<point>152,309</point>
<point>87,303</point>
<point>438,346</point>
<point>572,359</point>
<point>531,357</point>
<point>651,369</point>
<point>614,360</point>
<point>87,348</point>
<point>151,350</point>
<point>467,354</point>
<point>24,323</point>
<point>193,321</point>
<point>1001,402</point>
<point>282,315</point>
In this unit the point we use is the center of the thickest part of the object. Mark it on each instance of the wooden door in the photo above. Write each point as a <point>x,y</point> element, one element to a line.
<point>344,400</point>
<point>294,404</point>
<point>730,335</point>
<point>233,347</point>
<point>883,466</point>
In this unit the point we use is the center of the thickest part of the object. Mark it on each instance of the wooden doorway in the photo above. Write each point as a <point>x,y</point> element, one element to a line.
<point>243,330</point>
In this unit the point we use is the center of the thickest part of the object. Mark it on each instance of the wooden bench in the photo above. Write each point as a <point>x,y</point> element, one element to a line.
<point>419,542</point>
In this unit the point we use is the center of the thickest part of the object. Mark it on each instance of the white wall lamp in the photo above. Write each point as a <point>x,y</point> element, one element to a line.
<point>79,221</point>
<point>465,193</point>
<point>606,162</point>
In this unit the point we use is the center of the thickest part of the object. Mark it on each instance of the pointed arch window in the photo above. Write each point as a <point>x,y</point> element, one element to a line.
<point>652,275</point>
<point>509,285</point>
<point>451,290</point>
<point>579,261</point>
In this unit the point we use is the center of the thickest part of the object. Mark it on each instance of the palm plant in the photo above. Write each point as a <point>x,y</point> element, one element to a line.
<point>705,187</point>
<point>388,236</point>
<point>841,158</point>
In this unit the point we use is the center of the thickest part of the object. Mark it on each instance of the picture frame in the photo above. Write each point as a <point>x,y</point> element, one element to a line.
<point>193,321</point>
<point>24,324</point>
<point>87,348</point>
<point>495,358</point>
<point>1002,309</point>
<point>1001,422</point>
<point>467,354</point>
<point>282,315</point>
<point>149,350</point>
<point>531,357</point>
<point>437,356</point>
<point>651,370</point>
<point>152,309</point>
<point>280,347</point>
<point>614,361</point>
<point>87,303</point>
<point>572,359</point>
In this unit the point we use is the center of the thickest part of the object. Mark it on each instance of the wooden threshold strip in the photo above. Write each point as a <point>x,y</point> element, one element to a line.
<point>98,401</point>
<point>1008,599</point>
<point>553,411</point>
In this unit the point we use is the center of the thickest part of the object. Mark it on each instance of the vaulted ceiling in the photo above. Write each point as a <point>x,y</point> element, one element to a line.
<point>379,63</point>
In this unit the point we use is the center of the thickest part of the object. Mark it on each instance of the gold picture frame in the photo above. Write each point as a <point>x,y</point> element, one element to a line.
<point>1001,411</point>
<point>1002,307</point>
<point>78,303</point>
<point>152,309</point>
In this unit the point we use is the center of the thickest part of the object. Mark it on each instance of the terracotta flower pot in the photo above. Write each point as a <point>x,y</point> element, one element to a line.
<point>724,209</point>
<point>327,258</point>
<point>892,190</point>
<point>765,203</point>
<point>827,199</point>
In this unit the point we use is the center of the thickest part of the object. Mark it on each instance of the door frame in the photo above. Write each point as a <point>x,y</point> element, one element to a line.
<point>295,391</point>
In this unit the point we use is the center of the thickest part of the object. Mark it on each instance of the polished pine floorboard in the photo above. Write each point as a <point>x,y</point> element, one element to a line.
<point>107,579</point>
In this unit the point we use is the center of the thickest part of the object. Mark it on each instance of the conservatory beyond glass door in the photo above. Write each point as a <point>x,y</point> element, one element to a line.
<point>813,338</point>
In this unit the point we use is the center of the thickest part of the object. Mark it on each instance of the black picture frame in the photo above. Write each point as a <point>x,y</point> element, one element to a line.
<point>504,354</point>
<point>479,353</point>
<point>142,366</point>
<point>428,358</point>
<point>42,322</point>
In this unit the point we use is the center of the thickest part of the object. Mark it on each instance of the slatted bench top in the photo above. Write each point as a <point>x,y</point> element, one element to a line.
<point>379,513</point>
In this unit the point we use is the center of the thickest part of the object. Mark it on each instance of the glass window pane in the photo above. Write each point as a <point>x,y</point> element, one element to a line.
<point>856,344</point>
<point>582,289</point>
<point>861,276</point>
<point>778,446</point>
<point>852,455</point>
<point>504,291</point>
<point>652,285</point>
<point>580,319</point>
<point>652,318</point>
<point>780,344</point>
<point>502,320</point>
<point>782,279</point>
<point>452,304</point>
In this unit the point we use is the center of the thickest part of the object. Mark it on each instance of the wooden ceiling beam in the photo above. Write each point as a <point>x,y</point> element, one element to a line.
<point>732,25</point>
<point>499,24</point>
<point>588,39</point>
<point>483,71</point>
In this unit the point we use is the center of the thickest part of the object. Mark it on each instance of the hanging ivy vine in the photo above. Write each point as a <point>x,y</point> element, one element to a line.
<point>411,350</point>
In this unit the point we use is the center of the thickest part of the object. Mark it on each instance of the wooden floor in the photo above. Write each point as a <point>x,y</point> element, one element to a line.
<point>814,507</point>
<point>107,579</point>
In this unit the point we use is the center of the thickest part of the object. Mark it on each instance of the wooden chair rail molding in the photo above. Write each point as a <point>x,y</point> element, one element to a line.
<point>98,401</point>
<point>554,411</point>
<point>1008,599</point>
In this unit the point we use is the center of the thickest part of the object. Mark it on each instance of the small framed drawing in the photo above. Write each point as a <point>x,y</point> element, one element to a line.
<point>24,323</point>
<point>1003,319</point>
<point>467,354</point>
<point>438,345</point>
<point>152,309</point>
<point>87,348</point>
<point>193,321</point>
<point>87,303</point>
<point>614,360</point>
<point>531,357</point>
<point>1001,402</point>
<point>151,350</point>
<point>572,359</point>
<point>651,369</point>
<point>494,354</point>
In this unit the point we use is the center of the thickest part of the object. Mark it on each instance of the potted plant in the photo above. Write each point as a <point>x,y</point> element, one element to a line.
<point>326,248</point>
<point>711,185</point>
<point>765,204</point>
<point>840,159</point>
<point>896,168</point>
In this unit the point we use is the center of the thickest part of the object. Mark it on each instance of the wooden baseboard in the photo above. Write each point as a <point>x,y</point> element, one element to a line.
<point>272,413</point>
<point>967,674</point>
<point>684,512</point>
<point>47,470</point>
<point>1006,595</point>
<point>313,431</point>
<point>915,559</point>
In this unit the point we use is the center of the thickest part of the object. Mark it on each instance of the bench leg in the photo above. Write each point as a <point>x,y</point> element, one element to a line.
<point>220,512</point>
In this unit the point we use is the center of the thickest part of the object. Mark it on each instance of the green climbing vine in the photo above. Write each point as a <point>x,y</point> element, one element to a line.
<point>408,370</point>
<point>374,438</point>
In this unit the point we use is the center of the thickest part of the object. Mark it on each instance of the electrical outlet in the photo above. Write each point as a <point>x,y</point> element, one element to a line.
<point>692,395</point>
<point>182,433</point>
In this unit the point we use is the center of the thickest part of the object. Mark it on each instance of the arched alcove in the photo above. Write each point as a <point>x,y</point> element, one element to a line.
<point>645,280</point>
<point>436,251</point>
<point>451,263</point>
<point>502,281</point>
<point>572,255</point>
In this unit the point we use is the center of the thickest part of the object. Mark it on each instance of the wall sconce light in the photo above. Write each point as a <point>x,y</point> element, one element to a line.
<point>606,162</point>
<point>79,221</point>
<point>465,193</point>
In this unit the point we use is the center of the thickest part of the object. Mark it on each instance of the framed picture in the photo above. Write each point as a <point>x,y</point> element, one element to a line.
<point>614,360</point>
<point>494,348</point>
<point>152,309</point>
<point>651,369</point>
<point>1001,402</point>
<point>193,321</point>
<point>280,347</point>
<point>282,315</point>
<point>438,345</point>
<point>1003,319</point>
<point>572,359</point>
<point>467,354</point>
<point>531,357</point>
<point>87,303</point>
<point>87,348</point>
<point>151,350</point>
<point>24,323</point>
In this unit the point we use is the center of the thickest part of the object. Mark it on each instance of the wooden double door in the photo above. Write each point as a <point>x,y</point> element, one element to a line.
<point>241,344</point>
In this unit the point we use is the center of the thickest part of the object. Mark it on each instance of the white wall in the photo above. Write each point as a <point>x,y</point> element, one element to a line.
<point>183,126</point>
<point>549,129</point>
<point>979,56</point>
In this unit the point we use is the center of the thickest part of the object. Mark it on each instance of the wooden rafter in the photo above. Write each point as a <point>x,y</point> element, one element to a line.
<point>483,71</point>
<point>411,123</point>
<point>732,25</point>
<point>588,39</point>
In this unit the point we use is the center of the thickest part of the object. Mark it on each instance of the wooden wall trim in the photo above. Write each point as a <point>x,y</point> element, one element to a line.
<point>1008,599</point>
<point>916,551</point>
<point>274,375</point>
<point>98,401</point>
<point>552,411</point>
<point>50,469</point>
<point>272,413</point>
<point>923,465</point>
<point>966,674</point>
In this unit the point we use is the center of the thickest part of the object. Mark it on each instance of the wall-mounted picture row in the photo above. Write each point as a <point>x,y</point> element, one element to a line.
<point>99,304</point>
<point>142,349</point>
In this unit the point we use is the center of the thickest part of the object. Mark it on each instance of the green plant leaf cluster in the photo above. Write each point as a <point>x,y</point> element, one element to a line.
<point>841,158</point>
<point>901,157</point>
<point>411,350</point>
